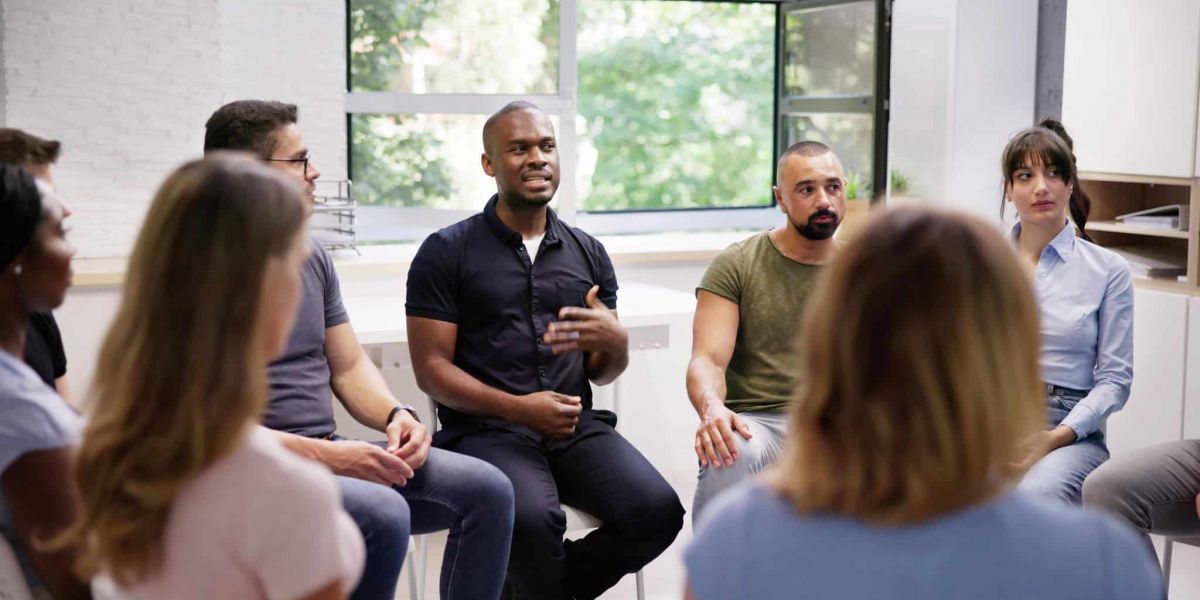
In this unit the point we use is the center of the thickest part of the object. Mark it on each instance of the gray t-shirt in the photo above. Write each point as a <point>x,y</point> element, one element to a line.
<point>752,543</point>
<point>32,418</point>
<point>301,400</point>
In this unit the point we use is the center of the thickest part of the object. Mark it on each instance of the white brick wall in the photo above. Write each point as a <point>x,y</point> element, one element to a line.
<point>127,85</point>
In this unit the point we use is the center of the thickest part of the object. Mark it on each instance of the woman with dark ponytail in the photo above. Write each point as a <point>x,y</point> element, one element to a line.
<point>1085,298</point>
<point>1080,203</point>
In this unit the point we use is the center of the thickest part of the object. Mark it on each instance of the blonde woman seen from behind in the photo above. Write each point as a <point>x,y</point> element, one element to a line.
<point>920,387</point>
<point>183,495</point>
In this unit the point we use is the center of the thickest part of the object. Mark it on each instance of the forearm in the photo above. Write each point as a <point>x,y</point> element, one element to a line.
<point>604,367</point>
<point>450,385</point>
<point>705,383</point>
<point>365,394</point>
<point>302,446</point>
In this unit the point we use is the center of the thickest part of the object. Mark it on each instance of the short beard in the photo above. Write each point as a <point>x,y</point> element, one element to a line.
<point>815,231</point>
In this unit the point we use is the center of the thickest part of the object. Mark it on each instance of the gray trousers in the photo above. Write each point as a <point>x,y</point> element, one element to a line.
<point>767,432</point>
<point>1154,489</point>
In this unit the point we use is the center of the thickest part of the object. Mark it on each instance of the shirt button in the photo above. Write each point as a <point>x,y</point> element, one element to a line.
<point>542,371</point>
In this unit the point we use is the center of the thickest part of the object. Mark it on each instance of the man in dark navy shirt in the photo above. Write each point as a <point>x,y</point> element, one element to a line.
<point>511,313</point>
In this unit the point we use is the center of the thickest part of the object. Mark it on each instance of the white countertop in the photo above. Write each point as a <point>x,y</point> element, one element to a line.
<point>381,320</point>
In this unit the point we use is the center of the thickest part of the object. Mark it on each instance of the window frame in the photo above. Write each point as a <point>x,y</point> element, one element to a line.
<point>386,223</point>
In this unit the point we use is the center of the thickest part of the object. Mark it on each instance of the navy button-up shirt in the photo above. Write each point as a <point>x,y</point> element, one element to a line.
<point>478,275</point>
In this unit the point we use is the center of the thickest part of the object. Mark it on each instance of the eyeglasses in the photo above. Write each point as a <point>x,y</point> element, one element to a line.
<point>292,160</point>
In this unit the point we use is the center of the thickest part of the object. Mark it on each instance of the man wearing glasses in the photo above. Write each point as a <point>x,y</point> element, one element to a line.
<point>381,483</point>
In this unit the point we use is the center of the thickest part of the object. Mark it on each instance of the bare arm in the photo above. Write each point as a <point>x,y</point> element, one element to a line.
<point>597,332</point>
<point>333,591</point>
<point>432,343</point>
<point>360,387</point>
<point>43,501</point>
<point>356,381</point>
<point>63,387</point>
<point>604,367</point>
<point>714,334</point>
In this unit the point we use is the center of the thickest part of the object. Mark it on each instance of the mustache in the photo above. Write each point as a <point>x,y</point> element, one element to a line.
<point>824,212</point>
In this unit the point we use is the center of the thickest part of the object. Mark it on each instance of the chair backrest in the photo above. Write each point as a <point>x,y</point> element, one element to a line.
<point>430,409</point>
<point>12,579</point>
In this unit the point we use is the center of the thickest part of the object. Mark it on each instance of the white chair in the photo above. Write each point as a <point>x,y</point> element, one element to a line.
<point>12,579</point>
<point>577,520</point>
<point>1168,555</point>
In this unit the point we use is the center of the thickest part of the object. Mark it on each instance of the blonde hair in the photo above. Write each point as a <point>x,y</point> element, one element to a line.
<point>920,373</point>
<point>181,373</point>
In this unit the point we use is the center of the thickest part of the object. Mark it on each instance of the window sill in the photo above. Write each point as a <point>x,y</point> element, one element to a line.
<point>392,260</point>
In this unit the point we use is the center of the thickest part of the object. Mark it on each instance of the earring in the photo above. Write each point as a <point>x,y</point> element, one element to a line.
<point>17,269</point>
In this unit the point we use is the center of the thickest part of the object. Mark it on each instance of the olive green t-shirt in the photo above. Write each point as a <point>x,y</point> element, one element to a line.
<point>770,290</point>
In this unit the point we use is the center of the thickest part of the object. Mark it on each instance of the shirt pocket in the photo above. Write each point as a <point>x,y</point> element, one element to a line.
<point>573,293</point>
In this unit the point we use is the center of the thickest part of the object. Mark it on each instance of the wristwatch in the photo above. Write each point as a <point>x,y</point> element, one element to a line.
<point>392,415</point>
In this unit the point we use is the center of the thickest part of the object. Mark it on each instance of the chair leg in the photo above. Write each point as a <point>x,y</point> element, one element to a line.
<point>1168,549</point>
<point>410,563</point>
<point>641,585</point>
<point>424,562</point>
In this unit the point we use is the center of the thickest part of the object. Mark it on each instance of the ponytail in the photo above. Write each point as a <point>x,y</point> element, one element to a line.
<point>1080,203</point>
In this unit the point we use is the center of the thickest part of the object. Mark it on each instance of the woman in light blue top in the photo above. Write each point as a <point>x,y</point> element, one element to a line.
<point>1085,297</point>
<point>37,428</point>
<point>920,386</point>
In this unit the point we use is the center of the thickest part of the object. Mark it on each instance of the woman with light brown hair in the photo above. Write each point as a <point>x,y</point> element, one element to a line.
<point>920,389</point>
<point>183,495</point>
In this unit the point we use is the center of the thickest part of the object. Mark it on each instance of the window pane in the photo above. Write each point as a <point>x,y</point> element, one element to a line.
<point>454,46</point>
<point>676,104</point>
<point>851,138</point>
<point>426,160</point>
<point>830,50</point>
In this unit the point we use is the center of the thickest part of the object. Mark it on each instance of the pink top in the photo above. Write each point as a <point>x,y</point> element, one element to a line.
<point>260,523</point>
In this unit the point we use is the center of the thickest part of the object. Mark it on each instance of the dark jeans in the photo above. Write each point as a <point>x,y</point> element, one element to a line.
<point>596,471</point>
<point>471,498</point>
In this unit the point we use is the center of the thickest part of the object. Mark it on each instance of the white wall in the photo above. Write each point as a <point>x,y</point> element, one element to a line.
<point>127,85</point>
<point>963,81</point>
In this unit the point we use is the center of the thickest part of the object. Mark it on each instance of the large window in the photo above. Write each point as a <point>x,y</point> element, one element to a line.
<point>659,105</point>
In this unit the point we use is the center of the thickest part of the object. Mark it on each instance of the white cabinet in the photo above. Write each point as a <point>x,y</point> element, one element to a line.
<point>1191,399</point>
<point>1130,73</point>
<point>1160,340</point>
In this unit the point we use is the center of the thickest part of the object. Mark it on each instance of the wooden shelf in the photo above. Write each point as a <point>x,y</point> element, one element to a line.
<point>1127,178</point>
<point>1117,227</point>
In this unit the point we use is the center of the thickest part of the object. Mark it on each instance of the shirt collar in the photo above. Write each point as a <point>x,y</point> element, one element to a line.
<point>511,238</point>
<point>1063,243</point>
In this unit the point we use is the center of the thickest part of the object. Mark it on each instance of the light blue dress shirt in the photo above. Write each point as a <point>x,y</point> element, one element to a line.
<point>1085,297</point>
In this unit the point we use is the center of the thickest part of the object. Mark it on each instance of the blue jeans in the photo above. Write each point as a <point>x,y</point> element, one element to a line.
<point>1060,473</point>
<point>471,498</point>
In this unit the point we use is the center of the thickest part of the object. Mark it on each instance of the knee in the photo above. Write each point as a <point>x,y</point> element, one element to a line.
<point>1105,488</point>
<point>383,517</point>
<point>657,515</point>
<point>493,492</point>
<point>537,523</point>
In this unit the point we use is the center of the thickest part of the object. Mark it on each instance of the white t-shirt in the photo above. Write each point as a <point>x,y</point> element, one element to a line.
<point>260,523</point>
<point>532,246</point>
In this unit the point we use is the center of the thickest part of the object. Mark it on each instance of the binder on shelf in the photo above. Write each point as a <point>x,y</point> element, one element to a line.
<point>1145,262</point>
<point>1170,216</point>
